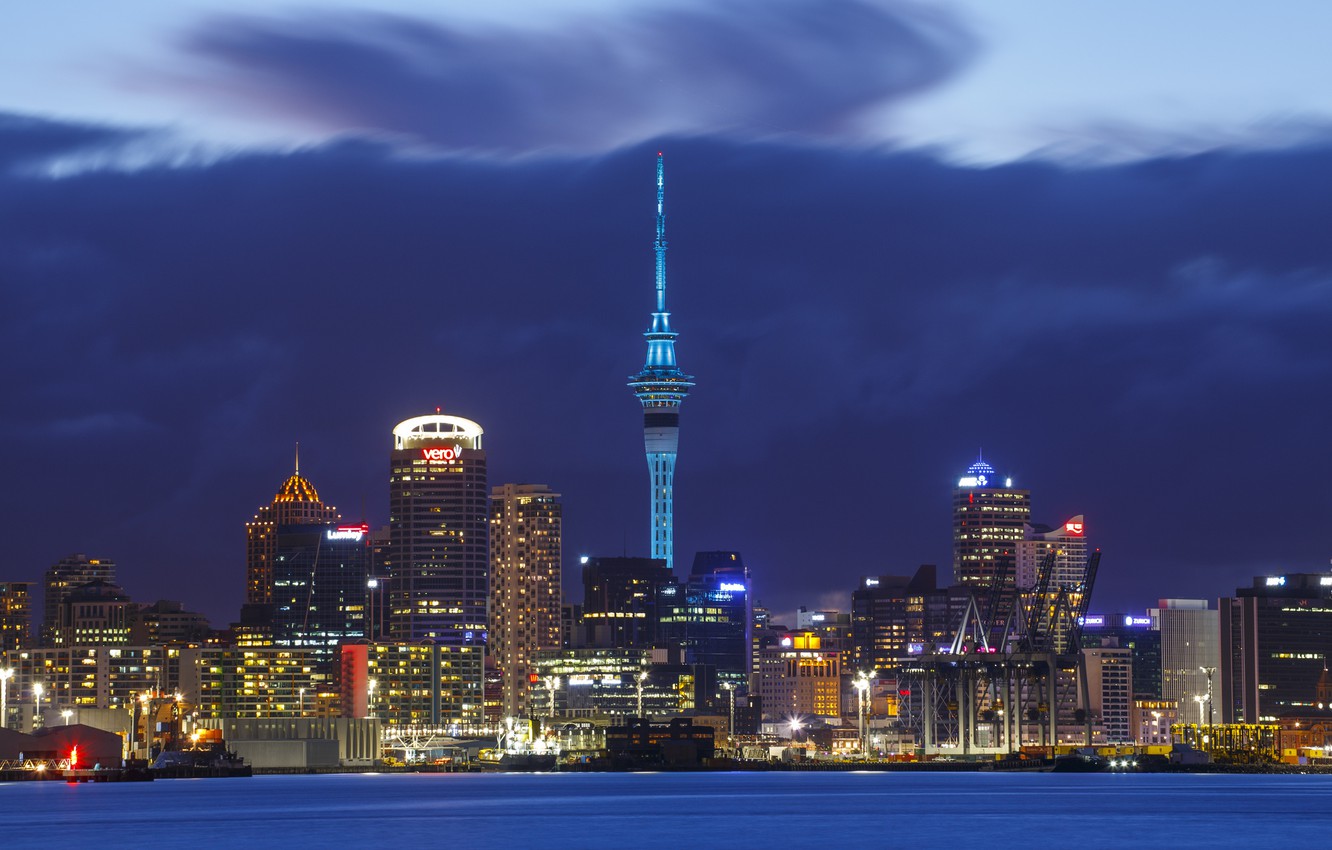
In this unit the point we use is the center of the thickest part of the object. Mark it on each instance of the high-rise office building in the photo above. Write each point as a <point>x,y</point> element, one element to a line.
<point>15,615</point>
<point>989,515</point>
<point>661,387</point>
<point>889,619</point>
<point>1275,637</point>
<point>526,533</point>
<point>1137,634</point>
<point>62,578</point>
<point>297,503</point>
<point>1190,645</point>
<point>319,586</point>
<point>710,616</point>
<point>439,531</point>
<point>620,598</point>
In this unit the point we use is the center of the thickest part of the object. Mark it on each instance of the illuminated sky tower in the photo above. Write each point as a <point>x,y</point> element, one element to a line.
<point>661,386</point>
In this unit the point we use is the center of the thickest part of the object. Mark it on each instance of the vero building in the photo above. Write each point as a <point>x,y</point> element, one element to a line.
<point>439,531</point>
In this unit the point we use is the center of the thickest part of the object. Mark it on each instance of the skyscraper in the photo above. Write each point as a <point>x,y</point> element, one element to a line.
<point>661,387</point>
<point>319,586</point>
<point>1274,639</point>
<point>439,532</point>
<point>525,603</point>
<point>988,519</point>
<point>1190,645</point>
<point>710,616</point>
<point>296,503</point>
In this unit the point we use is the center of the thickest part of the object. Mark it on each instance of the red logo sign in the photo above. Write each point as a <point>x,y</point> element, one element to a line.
<point>444,453</point>
<point>1073,528</point>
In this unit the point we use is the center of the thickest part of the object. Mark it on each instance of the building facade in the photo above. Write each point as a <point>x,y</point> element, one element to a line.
<point>439,529</point>
<point>526,549</point>
<point>1136,633</point>
<point>1275,638</point>
<point>319,586</point>
<point>15,615</point>
<point>261,682</point>
<point>94,614</point>
<point>1068,543</point>
<point>888,616</point>
<point>1110,691</point>
<point>423,685</point>
<point>613,682</point>
<point>65,575</point>
<point>710,616</point>
<point>1190,646</point>
<point>108,677</point>
<point>620,602</point>
<point>166,621</point>
<point>800,678</point>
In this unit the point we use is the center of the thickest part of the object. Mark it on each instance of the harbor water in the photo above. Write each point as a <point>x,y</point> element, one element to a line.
<point>684,811</point>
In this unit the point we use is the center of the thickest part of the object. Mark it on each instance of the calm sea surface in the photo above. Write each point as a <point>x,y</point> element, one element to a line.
<point>682,811</point>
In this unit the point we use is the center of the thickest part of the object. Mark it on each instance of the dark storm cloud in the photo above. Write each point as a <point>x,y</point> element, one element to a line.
<point>748,67</point>
<point>28,141</point>
<point>1145,343</point>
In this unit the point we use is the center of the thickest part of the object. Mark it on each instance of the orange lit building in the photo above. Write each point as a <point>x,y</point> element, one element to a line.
<point>800,677</point>
<point>296,503</point>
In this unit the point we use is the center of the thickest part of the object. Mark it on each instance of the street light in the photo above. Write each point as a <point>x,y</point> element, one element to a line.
<point>639,680</point>
<point>862,686</point>
<point>5,675</point>
<point>371,585</point>
<point>145,700</point>
<point>301,694</point>
<point>370,696</point>
<point>730,725</point>
<point>1209,671</point>
<point>67,714</point>
<point>1200,699</point>
<point>37,690</point>
<point>796,726</point>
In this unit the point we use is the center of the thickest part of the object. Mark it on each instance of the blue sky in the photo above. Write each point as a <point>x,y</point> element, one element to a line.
<point>1087,238</point>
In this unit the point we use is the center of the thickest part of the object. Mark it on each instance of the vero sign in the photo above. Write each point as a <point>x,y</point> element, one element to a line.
<point>445,454</point>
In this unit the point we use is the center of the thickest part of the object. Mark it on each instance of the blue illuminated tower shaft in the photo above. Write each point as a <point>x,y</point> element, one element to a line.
<point>661,387</point>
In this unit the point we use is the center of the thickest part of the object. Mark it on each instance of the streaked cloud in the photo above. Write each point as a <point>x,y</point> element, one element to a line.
<point>742,68</point>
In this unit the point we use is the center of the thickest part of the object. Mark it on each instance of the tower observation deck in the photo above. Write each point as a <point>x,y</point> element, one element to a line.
<point>661,387</point>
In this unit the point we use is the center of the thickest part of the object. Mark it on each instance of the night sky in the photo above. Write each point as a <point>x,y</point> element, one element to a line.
<point>896,240</point>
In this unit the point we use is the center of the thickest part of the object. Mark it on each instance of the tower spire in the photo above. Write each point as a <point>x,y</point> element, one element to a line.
<point>659,246</point>
<point>661,387</point>
<point>298,458</point>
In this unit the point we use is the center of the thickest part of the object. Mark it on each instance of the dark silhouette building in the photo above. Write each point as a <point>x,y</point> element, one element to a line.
<point>620,598</point>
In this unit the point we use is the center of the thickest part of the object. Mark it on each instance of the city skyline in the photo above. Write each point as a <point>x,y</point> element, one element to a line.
<point>1132,337</point>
